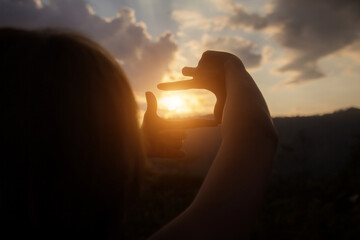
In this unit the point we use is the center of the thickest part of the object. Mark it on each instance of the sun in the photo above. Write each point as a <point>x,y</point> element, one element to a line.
<point>172,103</point>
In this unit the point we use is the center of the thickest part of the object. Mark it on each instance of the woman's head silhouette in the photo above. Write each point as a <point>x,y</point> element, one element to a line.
<point>71,148</point>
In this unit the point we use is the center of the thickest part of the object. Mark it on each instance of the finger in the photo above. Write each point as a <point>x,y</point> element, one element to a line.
<point>188,71</point>
<point>219,108</point>
<point>178,85</point>
<point>151,103</point>
<point>189,123</point>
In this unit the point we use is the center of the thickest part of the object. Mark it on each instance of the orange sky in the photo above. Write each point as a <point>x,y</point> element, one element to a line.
<point>304,57</point>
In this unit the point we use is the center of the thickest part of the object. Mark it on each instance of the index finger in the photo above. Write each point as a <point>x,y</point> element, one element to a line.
<point>151,103</point>
<point>178,85</point>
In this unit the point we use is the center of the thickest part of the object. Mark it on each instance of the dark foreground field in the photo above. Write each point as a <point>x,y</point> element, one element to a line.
<point>314,192</point>
<point>295,207</point>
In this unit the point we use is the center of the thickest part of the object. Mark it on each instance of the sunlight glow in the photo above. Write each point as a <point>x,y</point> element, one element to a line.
<point>172,102</point>
<point>185,104</point>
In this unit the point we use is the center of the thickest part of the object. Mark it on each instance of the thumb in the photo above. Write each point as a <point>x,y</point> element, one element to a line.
<point>151,103</point>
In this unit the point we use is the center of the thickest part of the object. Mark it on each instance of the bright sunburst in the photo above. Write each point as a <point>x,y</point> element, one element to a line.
<point>184,104</point>
<point>172,103</point>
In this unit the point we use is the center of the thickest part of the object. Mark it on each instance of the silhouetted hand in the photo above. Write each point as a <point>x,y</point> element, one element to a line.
<point>209,75</point>
<point>164,138</point>
<point>241,169</point>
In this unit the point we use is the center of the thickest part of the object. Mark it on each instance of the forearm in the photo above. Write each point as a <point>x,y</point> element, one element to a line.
<point>232,193</point>
<point>229,200</point>
<point>230,197</point>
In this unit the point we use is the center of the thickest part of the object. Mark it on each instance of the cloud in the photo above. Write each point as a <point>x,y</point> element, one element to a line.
<point>144,60</point>
<point>310,30</point>
<point>246,50</point>
<point>314,30</point>
<point>191,21</point>
<point>237,16</point>
<point>194,19</point>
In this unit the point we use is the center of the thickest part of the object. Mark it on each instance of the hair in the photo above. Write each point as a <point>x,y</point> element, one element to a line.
<point>71,151</point>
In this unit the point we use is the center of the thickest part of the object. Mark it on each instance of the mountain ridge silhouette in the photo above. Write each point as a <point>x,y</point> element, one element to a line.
<point>317,145</point>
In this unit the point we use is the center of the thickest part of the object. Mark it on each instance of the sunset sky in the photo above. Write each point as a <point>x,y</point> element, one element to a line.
<point>304,55</point>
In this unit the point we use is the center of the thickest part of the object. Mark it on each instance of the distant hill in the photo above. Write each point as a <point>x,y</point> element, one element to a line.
<point>317,145</point>
<point>314,145</point>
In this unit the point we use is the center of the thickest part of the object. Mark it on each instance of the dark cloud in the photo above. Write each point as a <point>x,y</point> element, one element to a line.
<point>144,60</point>
<point>240,16</point>
<point>244,49</point>
<point>310,29</point>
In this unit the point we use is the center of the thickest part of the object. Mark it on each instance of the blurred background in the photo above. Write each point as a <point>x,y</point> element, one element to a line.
<point>304,56</point>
